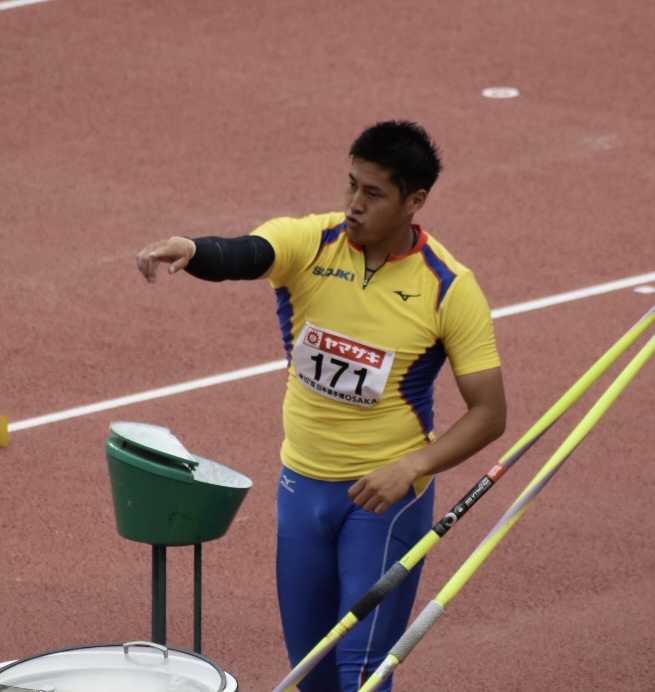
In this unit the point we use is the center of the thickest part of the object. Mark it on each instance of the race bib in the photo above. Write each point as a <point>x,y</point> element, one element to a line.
<point>341,368</point>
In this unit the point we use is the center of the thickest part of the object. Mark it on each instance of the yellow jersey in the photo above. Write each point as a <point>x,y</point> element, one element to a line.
<point>364,356</point>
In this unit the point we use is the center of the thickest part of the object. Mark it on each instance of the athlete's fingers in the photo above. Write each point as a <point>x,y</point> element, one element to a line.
<point>152,268</point>
<point>367,498</point>
<point>148,259</point>
<point>360,493</point>
<point>178,264</point>
<point>374,505</point>
<point>177,251</point>
<point>379,489</point>
<point>143,264</point>
<point>356,488</point>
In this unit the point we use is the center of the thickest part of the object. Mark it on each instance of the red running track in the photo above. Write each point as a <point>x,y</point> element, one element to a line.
<point>124,122</point>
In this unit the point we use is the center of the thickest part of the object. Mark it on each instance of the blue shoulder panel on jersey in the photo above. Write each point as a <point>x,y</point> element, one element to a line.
<point>445,275</point>
<point>329,235</point>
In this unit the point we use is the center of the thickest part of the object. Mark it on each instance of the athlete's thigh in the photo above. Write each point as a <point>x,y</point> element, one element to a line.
<point>369,545</point>
<point>307,575</point>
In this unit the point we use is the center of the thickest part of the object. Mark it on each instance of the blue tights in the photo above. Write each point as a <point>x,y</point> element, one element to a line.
<point>329,554</point>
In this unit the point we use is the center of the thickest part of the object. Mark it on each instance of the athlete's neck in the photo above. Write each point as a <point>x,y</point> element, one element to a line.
<point>376,256</point>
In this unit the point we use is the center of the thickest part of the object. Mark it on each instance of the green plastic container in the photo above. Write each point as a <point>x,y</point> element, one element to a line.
<point>166,501</point>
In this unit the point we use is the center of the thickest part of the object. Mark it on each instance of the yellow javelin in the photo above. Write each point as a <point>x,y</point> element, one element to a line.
<point>398,571</point>
<point>435,609</point>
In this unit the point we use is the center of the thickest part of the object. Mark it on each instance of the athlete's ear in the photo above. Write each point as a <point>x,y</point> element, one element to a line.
<point>416,200</point>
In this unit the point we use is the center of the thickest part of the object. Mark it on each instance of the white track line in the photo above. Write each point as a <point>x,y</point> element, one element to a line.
<point>560,298</point>
<point>272,366</point>
<point>149,395</point>
<point>19,3</point>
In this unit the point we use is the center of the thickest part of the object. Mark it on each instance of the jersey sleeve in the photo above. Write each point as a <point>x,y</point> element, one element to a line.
<point>296,242</point>
<point>467,327</point>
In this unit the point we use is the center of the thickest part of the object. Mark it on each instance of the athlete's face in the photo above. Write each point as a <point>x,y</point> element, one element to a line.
<point>376,212</point>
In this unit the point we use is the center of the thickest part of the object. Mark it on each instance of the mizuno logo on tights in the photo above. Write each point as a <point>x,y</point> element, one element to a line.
<point>287,483</point>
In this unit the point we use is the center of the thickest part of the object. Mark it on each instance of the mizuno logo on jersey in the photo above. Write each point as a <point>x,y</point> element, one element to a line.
<point>407,296</point>
<point>331,271</point>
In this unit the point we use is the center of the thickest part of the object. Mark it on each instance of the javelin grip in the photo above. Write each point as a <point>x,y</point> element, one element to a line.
<point>399,571</point>
<point>379,591</point>
<point>428,616</point>
<point>404,646</point>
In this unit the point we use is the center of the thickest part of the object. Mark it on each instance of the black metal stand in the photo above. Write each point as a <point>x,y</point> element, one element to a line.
<point>159,595</point>
<point>197,597</point>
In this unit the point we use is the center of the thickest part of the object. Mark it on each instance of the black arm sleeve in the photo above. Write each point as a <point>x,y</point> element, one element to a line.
<point>217,259</point>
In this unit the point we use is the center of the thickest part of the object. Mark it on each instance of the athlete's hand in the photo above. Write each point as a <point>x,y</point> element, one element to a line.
<point>175,251</point>
<point>378,490</point>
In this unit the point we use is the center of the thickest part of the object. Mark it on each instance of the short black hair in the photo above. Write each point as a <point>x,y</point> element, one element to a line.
<point>405,149</point>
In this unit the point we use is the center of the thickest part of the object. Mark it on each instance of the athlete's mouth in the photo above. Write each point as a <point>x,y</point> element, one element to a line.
<point>353,222</point>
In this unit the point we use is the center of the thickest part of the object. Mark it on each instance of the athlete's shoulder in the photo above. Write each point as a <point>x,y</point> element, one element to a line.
<point>297,241</point>
<point>452,277</point>
<point>439,257</point>
<point>317,223</point>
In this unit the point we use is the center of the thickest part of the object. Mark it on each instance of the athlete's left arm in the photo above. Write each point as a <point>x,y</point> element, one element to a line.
<point>482,423</point>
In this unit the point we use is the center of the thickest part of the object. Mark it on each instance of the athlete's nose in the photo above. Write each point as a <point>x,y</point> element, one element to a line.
<point>356,205</point>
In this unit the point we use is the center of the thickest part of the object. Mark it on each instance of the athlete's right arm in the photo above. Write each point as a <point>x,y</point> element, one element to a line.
<point>210,258</point>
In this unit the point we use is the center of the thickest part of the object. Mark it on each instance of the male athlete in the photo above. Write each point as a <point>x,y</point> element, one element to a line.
<point>370,307</point>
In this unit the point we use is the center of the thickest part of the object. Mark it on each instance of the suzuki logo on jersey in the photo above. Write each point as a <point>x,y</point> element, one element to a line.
<point>331,271</point>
